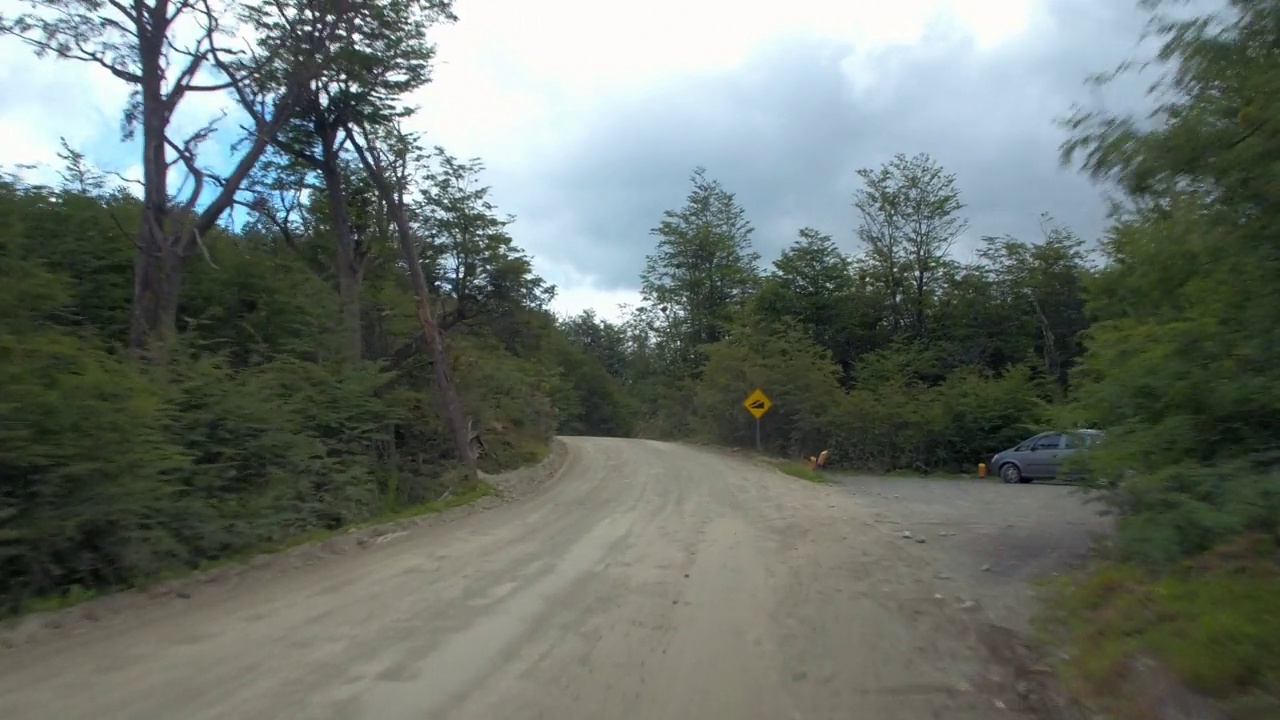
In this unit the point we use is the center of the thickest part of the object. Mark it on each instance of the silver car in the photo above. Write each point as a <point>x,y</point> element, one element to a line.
<point>1041,457</point>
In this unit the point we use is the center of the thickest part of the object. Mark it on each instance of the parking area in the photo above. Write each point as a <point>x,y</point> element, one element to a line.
<point>990,539</point>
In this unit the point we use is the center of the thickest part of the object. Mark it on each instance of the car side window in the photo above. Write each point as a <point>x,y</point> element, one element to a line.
<point>1048,442</point>
<point>1074,440</point>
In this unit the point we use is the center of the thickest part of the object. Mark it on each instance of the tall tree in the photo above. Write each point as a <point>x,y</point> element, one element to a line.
<point>600,338</point>
<point>140,43</point>
<point>702,270</point>
<point>1215,112</point>
<point>391,158</point>
<point>1044,285</point>
<point>813,283</point>
<point>910,219</point>
<point>470,257</point>
<point>370,54</point>
<point>975,325</point>
<point>473,268</point>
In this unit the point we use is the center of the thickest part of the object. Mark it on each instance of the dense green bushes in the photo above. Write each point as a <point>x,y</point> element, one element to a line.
<point>324,335</point>
<point>1180,370</point>
<point>1181,364</point>
<point>889,424</point>
<point>113,472</point>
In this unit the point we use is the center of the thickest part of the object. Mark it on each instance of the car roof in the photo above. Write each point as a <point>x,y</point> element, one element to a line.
<point>1081,431</point>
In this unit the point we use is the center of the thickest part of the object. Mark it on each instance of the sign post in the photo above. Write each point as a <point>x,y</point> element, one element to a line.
<point>757,403</point>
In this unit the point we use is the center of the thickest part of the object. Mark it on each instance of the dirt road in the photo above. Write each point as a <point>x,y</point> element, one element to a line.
<point>649,581</point>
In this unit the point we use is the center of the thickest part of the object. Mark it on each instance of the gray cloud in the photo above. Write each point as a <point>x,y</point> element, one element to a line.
<point>787,132</point>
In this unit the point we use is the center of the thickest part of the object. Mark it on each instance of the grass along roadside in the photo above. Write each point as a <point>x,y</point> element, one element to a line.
<point>76,595</point>
<point>801,470</point>
<point>1136,639</point>
<point>509,456</point>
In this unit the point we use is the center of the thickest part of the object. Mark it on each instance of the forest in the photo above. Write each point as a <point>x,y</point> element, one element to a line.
<point>339,325</point>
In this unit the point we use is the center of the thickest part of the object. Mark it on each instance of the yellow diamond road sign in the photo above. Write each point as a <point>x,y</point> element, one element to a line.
<point>757,403</point>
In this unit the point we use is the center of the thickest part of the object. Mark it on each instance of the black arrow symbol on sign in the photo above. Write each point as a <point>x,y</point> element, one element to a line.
<point>757,405</point>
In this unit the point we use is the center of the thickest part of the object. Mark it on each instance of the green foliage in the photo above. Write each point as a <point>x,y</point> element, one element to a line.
<point>297,400</point>
<point>1041,293</point>
<point>469,254</point>
<point>594,402</point>
<point>1180,364</point>
<point>813,284</point>
<point>796,374</point>
<point>278,449</point>
<point>75,236</point>
<point>801,470</point>
<point>1180,370</point>
<point>275,386</point>
<point>1212,623</point>
<point>88,468</point>
<point>258,432</point>
<point>895,358</point>
<point>702,270</point>
<point>896,422</point>
<point>910,218</point>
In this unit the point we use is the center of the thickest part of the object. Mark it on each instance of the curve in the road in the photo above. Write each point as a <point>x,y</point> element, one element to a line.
<point>650,581</point>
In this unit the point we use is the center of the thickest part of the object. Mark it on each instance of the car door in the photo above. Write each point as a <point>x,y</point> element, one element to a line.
<point>1042,460</point>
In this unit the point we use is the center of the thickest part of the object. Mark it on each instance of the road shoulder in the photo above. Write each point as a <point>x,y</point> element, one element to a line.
<point>511,486</point>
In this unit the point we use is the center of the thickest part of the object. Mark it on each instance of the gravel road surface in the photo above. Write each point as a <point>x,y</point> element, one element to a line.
<point>647,581</point>
<point>993,539</point>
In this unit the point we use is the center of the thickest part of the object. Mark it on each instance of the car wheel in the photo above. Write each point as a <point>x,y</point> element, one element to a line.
<point>1011,473</point>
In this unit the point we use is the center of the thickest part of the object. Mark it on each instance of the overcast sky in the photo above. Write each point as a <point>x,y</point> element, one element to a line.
<point>590,116</point>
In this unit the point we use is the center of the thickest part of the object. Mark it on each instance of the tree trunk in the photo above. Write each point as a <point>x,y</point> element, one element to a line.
<point>1052,364</point>
<point>157,260</point>
<point>349,258</point>
<point>157,285</point>
<point>349,281</point>
<point>157,263</point>
<point>450,402</point>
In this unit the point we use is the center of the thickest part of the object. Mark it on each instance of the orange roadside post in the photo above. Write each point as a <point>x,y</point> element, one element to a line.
<point>982,470</point>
